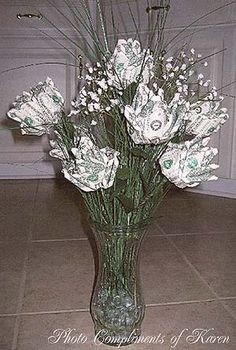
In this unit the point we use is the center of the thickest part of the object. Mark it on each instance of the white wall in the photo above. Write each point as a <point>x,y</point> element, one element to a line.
<point>26,157</point>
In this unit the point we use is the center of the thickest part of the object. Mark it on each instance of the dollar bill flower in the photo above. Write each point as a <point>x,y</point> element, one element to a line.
<point>39,109</point>
<point>205,118</point>
<point>91,168</point>
<point>130,63</point>
<point>151,120</point>
<point>187,164</point>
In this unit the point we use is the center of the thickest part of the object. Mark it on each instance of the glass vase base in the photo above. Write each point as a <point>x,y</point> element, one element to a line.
<point>117,339</point>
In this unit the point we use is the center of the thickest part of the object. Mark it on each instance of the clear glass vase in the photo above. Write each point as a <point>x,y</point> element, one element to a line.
<point>117,305</point>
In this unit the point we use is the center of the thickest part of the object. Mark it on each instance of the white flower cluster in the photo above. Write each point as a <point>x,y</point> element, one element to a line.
<point>98,95</point>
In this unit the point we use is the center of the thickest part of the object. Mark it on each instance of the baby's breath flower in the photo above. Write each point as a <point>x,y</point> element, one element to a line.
<point>90,107</point>
<point>110,82</point>
<point>103,85</point>
<point>88,77</point>
<point>168,66</point>
<point>96,106</point>
<point>191,72</point>
<point>207,83</point>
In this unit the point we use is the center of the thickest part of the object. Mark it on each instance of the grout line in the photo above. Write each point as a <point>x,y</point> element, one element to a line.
<point>59,240</point>
<point>181,302</point>
<point>227,298</point>
<point>149,234</point>
<point>193,268</point>
<point>24,274</point>
<point>20,301</point>
<point>33,212</point>
<point>44,312</point>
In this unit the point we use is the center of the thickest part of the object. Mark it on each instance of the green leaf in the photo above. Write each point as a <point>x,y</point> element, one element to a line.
<point>126,202</point>
<point>138,152</point>
<point>120,186</point>
<point>123,173</point>
<point>145,184</point>
<point>129,93</point>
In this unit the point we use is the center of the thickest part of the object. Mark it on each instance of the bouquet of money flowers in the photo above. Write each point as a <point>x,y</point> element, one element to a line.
<point>141,122</point>
<point>136,126</point>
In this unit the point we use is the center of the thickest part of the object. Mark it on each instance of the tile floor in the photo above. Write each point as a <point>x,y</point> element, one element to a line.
<point>188,269</point>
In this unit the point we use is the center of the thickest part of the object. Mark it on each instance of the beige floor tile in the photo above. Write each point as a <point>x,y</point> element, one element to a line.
<point>16,209</point>
<point>6,332</point>
<point>37,330</point>
<point>171,320</point>
<point>165,275</point>
<point>9,187</point>
<point>154,230</point>
<point>60,276</point>
<point>190,220</point>
<point>214,257</point>
<point>60,212</point>
<point>12,257</point>
<point>231,303</point>
<point>196,213</point>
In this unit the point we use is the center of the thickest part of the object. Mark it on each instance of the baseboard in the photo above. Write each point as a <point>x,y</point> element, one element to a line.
<point>221,188</point>
<point>39,170</point>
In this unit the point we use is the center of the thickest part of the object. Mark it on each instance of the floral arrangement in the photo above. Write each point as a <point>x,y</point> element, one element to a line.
<point>141,122</point>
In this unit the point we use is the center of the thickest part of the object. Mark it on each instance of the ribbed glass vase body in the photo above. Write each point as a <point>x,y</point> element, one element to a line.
<point>117,305</point>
